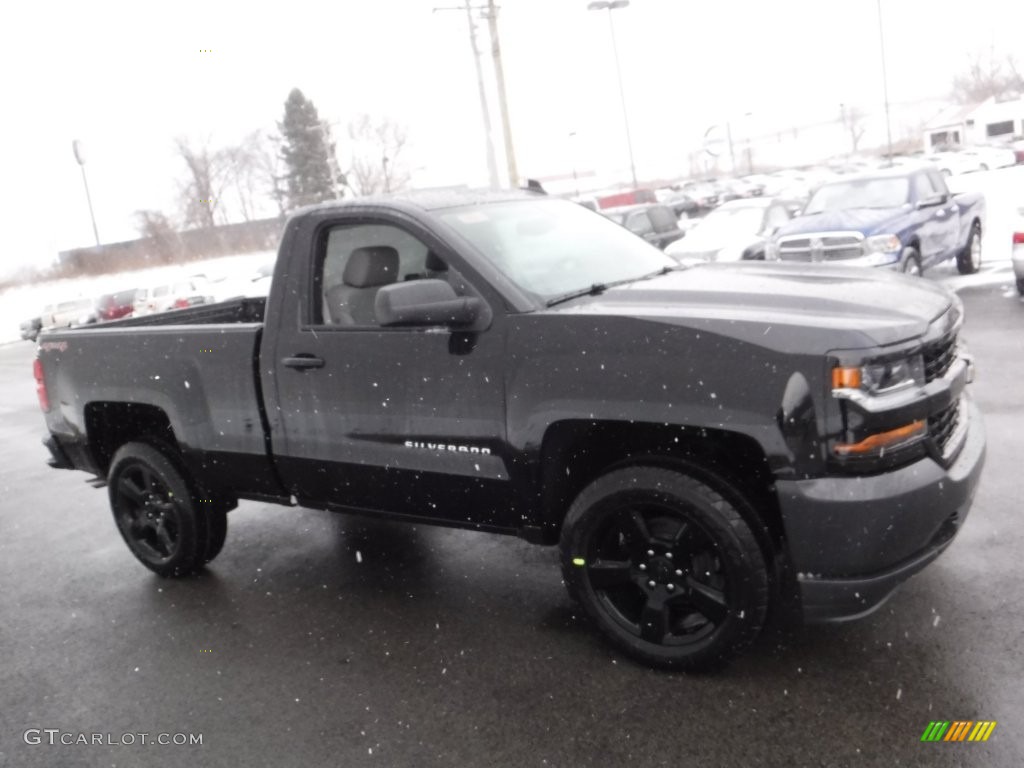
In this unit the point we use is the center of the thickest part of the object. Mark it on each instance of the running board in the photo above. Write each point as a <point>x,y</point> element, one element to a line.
<point>97,482</point>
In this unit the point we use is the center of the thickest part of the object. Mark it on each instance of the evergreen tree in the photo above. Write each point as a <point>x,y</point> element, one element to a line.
<point>308,153</point>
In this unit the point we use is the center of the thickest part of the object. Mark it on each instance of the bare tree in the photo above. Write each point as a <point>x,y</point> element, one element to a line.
<point>200,193</point>
<point>988,74</point>
<point>377,161</point>
<point>853,121</point>
<point>271,171</point>
<point>159,230</point>
<point>253,173</point>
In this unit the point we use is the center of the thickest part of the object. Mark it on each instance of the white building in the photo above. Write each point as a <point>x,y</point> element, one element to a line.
<point>991,120</point>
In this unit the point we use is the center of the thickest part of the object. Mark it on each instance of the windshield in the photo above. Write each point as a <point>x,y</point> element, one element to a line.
<point>551,247</point>
<point>860,193</point>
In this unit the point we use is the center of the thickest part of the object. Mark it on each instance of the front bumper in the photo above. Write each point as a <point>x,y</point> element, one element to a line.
<point>853,540</point>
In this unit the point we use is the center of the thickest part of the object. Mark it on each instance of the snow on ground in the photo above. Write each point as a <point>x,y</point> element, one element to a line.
<point>228,276</point>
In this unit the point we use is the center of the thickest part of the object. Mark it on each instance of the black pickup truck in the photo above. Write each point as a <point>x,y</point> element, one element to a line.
<point>708,446</point>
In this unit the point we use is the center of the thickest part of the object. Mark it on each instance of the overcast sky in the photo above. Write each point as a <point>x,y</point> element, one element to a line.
<point>126,78</point>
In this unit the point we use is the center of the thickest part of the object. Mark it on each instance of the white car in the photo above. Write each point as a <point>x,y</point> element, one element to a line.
<point>67,314</point>
<point>992,156</point>
<point>735,231</point>
<point>174,295</point>
<point>955,163</point>
<point>971,159</point>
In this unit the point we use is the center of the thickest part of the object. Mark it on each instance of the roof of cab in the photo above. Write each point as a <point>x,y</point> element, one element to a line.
<point>428,199</point>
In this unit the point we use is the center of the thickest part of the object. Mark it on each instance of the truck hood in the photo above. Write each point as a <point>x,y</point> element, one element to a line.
<point>867,221</point>
<point>782,305</point>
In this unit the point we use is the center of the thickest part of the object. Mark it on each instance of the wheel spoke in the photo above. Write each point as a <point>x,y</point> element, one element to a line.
<point>707,599</point>
<point>149,481</point>
<point>131,490</point>
<point>606,574</point>
<point>680,534</point>
<point>638,538</point>
<point>164,537</point>
<point>654,619</point>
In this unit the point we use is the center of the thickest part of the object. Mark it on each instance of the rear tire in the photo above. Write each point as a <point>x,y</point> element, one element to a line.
<point>164,524</point>
<point>910,262</point>
<point>1020,286</point>
<point>667,568</point>
<point>968,261</point>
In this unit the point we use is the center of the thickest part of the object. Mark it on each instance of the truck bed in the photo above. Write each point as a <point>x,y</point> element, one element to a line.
<point>240,310</point>
<point>193,368</point>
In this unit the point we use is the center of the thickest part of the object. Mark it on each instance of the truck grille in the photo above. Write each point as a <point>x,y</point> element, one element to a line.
<point>938,357</point>
<point>823,247</point>
<point>948,428</point>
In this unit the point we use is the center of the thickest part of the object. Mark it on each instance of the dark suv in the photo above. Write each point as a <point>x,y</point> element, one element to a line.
<point>656,224</point>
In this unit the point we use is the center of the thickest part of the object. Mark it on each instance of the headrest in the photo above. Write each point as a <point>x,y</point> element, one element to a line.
<point>371,266</point>
<point>434,263</point>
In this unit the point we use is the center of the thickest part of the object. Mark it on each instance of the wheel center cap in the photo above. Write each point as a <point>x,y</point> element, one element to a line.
<point>661,569</point>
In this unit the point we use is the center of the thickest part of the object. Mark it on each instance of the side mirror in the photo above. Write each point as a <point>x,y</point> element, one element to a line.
<point>425,302</point>
<point>933,201</point>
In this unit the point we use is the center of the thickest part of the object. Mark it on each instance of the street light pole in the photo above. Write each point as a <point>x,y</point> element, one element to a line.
<point>885,79</point>
<point>76,147</point>
<point>611,5</point>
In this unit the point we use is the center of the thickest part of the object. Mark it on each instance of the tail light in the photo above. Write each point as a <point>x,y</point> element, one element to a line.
<point>181,304</point>
<point>1018,238</point>
<point>44,398</point>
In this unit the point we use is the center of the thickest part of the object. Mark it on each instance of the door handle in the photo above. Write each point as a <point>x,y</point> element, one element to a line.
<point>302,362</point>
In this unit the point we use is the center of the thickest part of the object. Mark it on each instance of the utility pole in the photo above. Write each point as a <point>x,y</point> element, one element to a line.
<point>499,76</point>
<point>885,79</point>
<point>485,111</point>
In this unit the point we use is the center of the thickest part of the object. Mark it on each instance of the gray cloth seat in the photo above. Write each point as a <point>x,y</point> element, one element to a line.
<point>435,268</point>
<point>368,268</point>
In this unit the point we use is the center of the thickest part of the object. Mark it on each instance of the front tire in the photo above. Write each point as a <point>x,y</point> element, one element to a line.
<point>164,524</point>
<point>666,567</point>
<point>910,262</point>
<point>968,261</point>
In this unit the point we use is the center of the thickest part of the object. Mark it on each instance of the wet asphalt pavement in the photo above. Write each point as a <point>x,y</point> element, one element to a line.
<point>316,639</point>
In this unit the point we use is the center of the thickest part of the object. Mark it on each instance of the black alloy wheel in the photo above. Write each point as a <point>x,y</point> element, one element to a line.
<point>164,524</point>
<point>667,568</point>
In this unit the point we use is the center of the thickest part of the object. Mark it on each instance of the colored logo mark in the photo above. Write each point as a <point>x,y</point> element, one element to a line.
<point>958,730</point>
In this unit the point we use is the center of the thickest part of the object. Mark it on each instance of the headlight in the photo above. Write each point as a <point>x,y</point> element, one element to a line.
<point>867,387</point>
<point>883,244</point>
<point>878,377</point>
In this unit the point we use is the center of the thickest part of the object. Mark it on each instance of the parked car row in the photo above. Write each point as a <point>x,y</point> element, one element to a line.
<point>178,294</point>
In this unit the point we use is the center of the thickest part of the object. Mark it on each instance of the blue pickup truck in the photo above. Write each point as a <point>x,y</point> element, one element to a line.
<point>903,219</point>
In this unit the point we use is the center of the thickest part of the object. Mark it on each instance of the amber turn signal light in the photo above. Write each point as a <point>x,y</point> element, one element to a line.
<point>846,378</point>
<point>881,440</point>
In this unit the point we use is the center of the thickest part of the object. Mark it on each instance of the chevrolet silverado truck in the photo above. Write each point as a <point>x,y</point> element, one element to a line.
<point>708,446</point>
<point>904,219</point>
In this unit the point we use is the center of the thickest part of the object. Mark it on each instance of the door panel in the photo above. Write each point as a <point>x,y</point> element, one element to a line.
<point>400,420</point>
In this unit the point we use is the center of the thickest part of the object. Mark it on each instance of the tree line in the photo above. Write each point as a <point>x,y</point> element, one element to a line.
<point>274,172</point>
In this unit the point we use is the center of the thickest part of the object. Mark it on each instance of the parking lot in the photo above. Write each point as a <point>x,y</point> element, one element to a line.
<point>317,639</point>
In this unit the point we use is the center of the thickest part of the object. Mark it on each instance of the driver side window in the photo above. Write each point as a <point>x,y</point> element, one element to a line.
<point>357,261</point>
